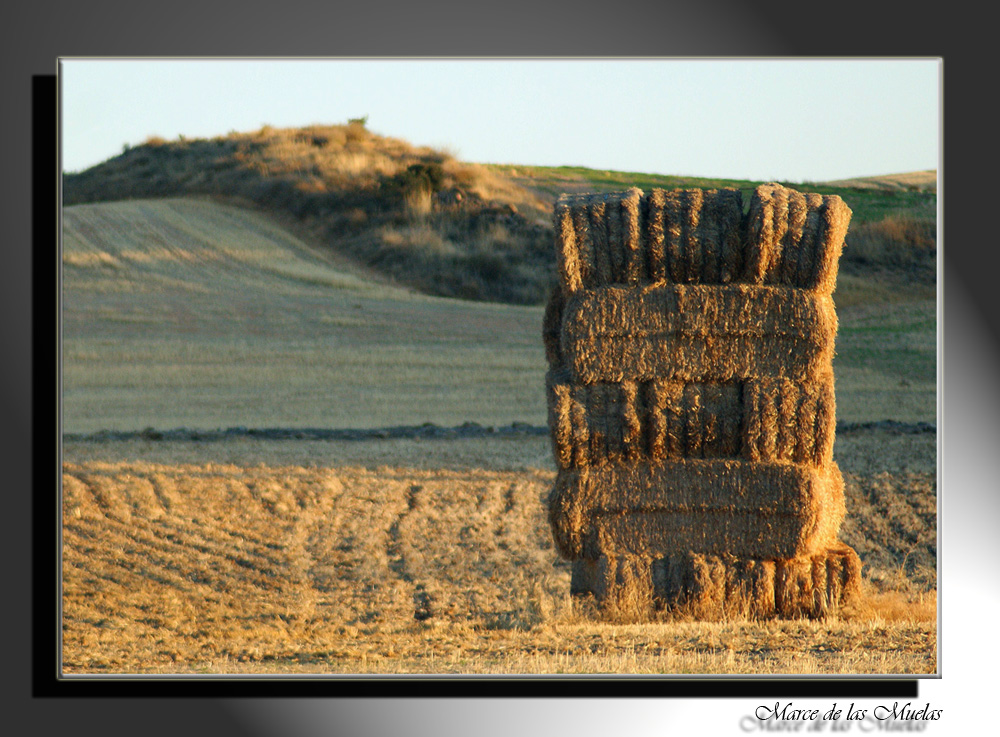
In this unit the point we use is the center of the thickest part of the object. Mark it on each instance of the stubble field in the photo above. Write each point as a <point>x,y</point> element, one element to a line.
<point>250,552</point>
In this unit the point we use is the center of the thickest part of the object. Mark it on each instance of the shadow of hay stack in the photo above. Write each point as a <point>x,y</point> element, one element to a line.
<point>691,401</point>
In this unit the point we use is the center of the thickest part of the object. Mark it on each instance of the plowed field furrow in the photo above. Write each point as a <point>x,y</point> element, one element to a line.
<point>339,565</point>
<point>142,546</point>
<point>249,561</point>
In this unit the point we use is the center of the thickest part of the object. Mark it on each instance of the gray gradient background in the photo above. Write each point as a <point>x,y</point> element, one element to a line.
<point>969,430</point>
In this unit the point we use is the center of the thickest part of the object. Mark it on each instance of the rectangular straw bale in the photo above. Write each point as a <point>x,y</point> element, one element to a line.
<point>829,244</point>
<point>631,213</point>
<point>580,428</point>
<point>708,585</point>
<point>793,585</point>
<point>764,510</point>
<point>655,235</point>
<point>672,395</point>
<point>697,420</point>
<point>657,420</point>
<point>694,235</point>
<point>635,420</point>
<point>634,414</point>
<point>700,309</point>
<point>755,586</point>
<point>693,436</point>
<point>795,239</point>
<point>592,424</point>
<point>670,576</point>
<point>817,421</point>
<point>598,239</point>
<point>620,243</point>
<point>697,333</point>
<point>761,419</point>
<point>815,585</point>
<point>592,230</point>
<point>708,425</point>
<point>698,583</point>
<point>612,580</point>
<point>560,418</point>
<point>568,261</point>
<point>599,407</point>
<point>794,252</point>
<point>614,245</point>
<point>569,429</point>
<point>656,426</point>
<point>789,420</point>
<point>725,586</point>
<point>843,575</point>
<point>714,587</point>
<point>784,446</point>
<point>767,227</point>
<point>679,248</point>
<point>753,534</point>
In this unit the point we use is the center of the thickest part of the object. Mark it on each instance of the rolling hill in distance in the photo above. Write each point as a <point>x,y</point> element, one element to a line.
<point>330,277</point>
<point>451,228</point>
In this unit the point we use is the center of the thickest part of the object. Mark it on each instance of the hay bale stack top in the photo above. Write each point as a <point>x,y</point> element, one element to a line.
<point>691,391</point>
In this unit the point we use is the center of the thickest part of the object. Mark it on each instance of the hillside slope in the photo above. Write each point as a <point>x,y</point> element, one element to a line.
<point>187,313</point>
<point>412,213</point>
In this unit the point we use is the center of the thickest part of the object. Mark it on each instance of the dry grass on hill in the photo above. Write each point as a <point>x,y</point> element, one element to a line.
<point>418,215</point>
<point>415,214</point>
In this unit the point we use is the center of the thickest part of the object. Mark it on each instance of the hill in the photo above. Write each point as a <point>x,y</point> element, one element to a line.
<point>423,219</point>
<point>185,312</point>
<point>913,181</point>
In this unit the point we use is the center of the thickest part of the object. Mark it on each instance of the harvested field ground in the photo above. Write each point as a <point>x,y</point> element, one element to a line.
<point>236,568</point>
<point>403,555</point>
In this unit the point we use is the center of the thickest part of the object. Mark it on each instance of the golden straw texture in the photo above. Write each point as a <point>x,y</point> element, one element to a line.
<point>714,587</point>
<point>797,238</point>
<point>696,333</point>
<point>762,510</point>
<point>691,400</point>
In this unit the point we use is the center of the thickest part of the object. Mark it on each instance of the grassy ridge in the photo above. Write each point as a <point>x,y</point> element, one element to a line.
<point>426,220</point>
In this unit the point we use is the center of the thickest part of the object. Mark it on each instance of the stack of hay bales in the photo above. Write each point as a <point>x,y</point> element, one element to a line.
<point>691,400</point>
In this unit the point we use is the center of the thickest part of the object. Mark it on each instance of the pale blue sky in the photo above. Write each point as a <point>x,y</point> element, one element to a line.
<point>793,120</point>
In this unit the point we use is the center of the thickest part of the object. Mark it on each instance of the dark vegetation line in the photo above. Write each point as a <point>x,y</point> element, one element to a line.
<point>427,431</point>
